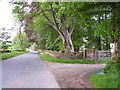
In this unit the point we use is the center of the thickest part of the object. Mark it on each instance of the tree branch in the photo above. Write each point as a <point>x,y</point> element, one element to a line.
<point>54,19</point>
<point>63,21</point>
<point>55,24</point>
<point>41,12</point>
<point>72,27</point>
<point>52,24</point>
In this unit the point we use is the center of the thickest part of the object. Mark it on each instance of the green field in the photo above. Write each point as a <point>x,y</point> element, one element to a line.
<point>7,55</point>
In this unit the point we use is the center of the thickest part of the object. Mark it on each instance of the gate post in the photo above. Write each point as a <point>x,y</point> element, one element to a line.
<point>95,55</point>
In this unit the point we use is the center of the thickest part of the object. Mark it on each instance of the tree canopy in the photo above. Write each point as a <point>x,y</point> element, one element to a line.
<point>65,25</point>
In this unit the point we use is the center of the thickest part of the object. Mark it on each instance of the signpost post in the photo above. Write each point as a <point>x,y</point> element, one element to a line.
<point>112,46</point>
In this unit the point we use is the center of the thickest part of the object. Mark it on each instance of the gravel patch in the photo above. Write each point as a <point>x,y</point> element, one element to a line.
<point>74,75</point>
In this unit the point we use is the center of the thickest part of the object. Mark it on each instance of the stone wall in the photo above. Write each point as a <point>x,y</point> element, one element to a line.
<point>95,54</point>
<point>75,55</point>
<point>102,54</point>
<point>89,54</point>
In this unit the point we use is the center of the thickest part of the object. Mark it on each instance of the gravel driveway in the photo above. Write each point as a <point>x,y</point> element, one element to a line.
<point>74,75</point>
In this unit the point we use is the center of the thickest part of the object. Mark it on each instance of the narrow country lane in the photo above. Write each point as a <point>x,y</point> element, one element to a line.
<point>27,71</point>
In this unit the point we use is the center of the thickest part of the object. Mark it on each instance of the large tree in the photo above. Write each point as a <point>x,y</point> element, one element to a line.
<point>61,20</point>
<point>116,30</point>
<point>4,39</point>
<point>20,42</point>
<point>59,16</point>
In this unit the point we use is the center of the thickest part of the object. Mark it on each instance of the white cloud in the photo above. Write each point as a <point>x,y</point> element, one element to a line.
<point>6,16</point>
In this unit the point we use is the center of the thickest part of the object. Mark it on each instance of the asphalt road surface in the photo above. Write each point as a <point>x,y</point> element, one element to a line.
<point>27,71</point>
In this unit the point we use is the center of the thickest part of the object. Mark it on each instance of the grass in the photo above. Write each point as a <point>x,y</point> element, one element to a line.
<point>104,60</point>
<point>72,61</point>
<point>109,79</point>
<point>11,54</point>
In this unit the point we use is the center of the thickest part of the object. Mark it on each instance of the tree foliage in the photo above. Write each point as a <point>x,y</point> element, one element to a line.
<point>64,25</point>
<point>20,42</point>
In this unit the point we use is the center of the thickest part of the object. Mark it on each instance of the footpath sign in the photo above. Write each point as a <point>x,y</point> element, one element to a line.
<point>112,46</point>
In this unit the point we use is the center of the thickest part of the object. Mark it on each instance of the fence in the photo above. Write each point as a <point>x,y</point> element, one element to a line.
<point>87,54</point>
<point>96,55</point>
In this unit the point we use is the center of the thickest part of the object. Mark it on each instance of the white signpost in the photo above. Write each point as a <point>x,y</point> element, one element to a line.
<point>112,46</point>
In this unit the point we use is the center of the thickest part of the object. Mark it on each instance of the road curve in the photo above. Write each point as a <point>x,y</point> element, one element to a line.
<point>27,71</point>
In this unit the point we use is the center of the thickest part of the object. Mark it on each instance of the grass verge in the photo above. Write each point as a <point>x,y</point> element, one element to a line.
<point>72,61</point>
<point>104,60</point>
<point>109,78</point>
<point>11,54</point>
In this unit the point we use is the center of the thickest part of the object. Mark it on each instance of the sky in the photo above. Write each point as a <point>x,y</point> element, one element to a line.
<point>6,17</point>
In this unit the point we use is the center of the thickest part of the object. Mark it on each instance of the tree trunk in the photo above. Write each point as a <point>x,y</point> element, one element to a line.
<point>67,42</point>
<point>99,43</point>
<point>116,53</point>
<point>66,35</point>
<point>116,28</point>
<point>65,32</point>
<point>107,44</point>
<point>20,37</point>
<point>107,37</point>
<point>99,38</point>
<point>119,47</point>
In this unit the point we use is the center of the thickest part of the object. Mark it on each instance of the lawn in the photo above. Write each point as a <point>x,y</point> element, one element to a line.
<point>104,60</point>
<point>109,76</point>
<point>107,79</point>
<point>72,61</point>
<point>7,55</point>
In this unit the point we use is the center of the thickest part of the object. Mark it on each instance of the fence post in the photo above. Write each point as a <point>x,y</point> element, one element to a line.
<point>95,55</point>
<point>84,54</point>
